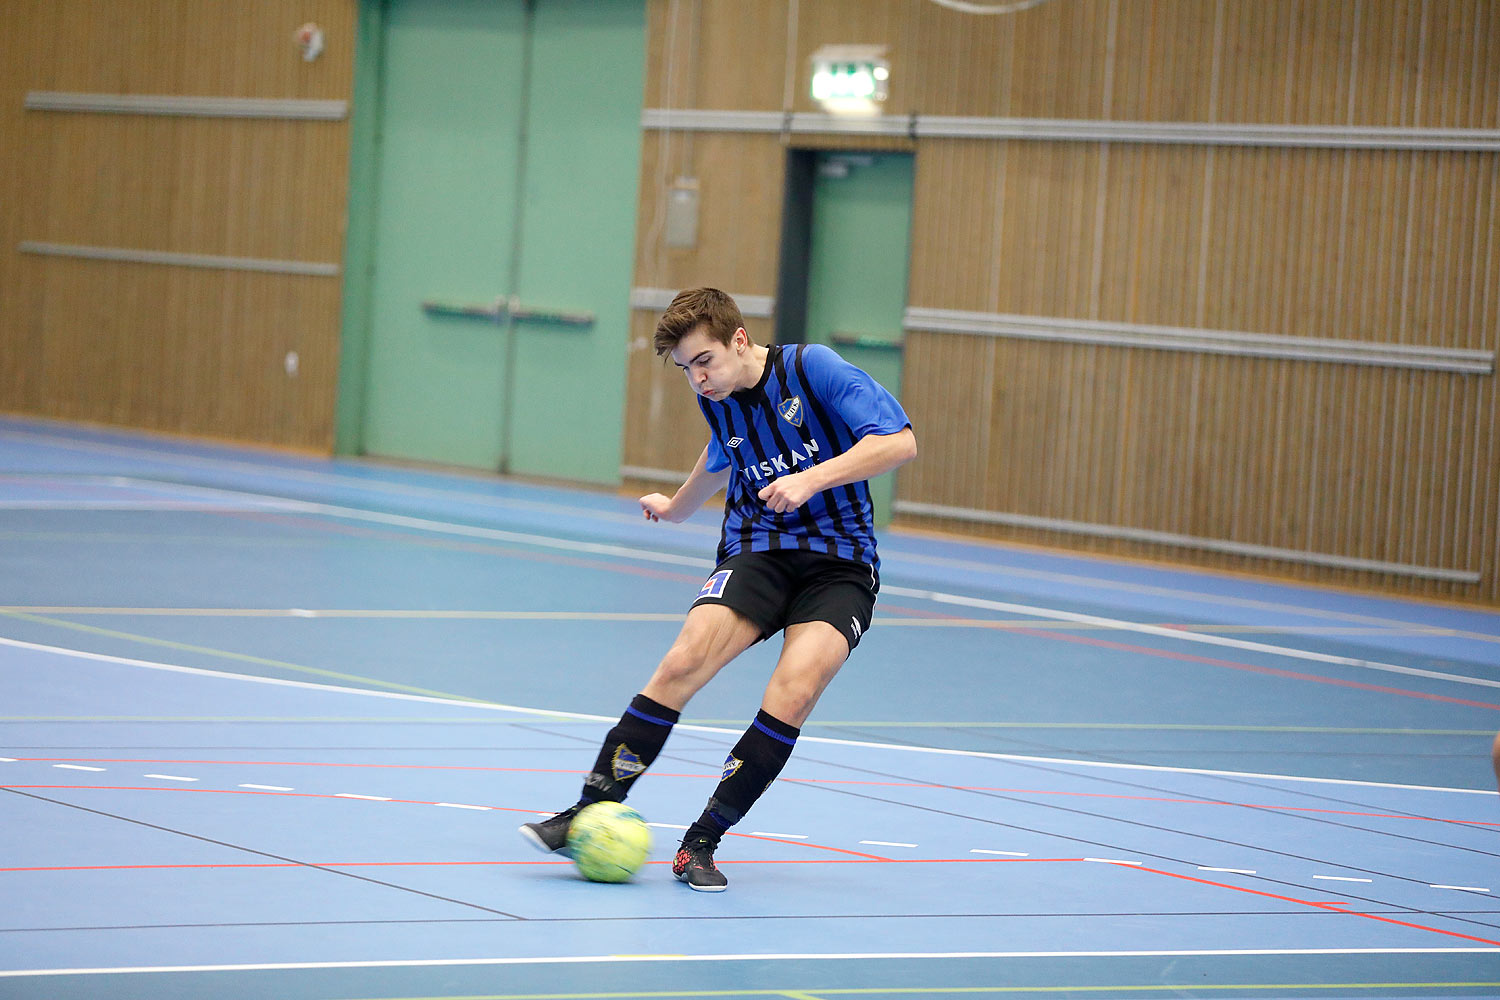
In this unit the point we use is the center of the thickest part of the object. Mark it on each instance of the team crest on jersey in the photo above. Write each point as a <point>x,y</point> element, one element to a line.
<point>791,410</point>
<point>626,763</point>
<point>731,765</point>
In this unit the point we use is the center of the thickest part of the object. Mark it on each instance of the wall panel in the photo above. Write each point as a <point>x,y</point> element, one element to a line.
<point>1364,474</point>
<point>164,346</point>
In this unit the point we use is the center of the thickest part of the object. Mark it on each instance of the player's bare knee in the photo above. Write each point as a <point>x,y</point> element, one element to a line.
<point>792,701</point>
<point>678,665</point>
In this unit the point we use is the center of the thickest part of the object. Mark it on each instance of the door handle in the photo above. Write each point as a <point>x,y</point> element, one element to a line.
<point>504,308</point>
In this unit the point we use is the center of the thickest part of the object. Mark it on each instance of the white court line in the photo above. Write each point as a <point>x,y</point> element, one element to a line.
<point>1231,871</point>
<point>449,527</point>
<point>1175,594</point>
<point>270,788</point>
<point>79,767</point>
<point>775,957</point>
<point>1198,637</point>
<point>193,461</point>
<point>189,460</point>
<point>786,836</point>
<point>885,843</point>
<point>169,777</point>
<point>367,798</point>
<point>1114,861</point>
<point>1341,878</point>
<point>937,597</point>
<point>1461,888</point>
<point>551,713</point>
<point>460,805</point>
<point>1008,854</point>
<point>187,506</point>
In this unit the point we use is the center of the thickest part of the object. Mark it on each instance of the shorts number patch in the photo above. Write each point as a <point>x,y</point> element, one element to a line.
<point>714,585</point>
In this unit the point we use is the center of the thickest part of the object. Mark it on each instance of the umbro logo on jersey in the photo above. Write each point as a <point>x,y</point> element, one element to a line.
<point>791,410</point>
<point>735,442</point>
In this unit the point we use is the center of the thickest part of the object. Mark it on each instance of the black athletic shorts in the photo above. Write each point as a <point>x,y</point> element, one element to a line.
<point>789,586</point>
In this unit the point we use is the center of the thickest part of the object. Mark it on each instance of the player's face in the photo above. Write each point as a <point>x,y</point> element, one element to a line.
<point>713,369</point>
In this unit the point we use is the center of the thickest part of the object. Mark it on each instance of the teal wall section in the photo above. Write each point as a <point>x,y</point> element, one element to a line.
<point>359,231</point>
<point>450,113</point>
<point>506,155</point>
<point>578,236</point>
<point>857,268</point>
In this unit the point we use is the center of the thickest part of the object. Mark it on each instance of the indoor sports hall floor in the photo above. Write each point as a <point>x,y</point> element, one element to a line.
<point>268,724</point>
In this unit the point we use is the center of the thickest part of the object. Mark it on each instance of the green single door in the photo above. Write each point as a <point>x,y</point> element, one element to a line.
<point>583,154</point>
<point>858,259</point>
<point>451,106</point>
<point>506,169</point>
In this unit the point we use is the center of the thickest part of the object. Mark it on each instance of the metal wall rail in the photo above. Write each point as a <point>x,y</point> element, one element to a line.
<point>196,107</point>
<point>918,126</point>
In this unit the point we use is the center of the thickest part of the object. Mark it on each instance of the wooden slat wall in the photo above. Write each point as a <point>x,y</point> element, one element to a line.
<point>173,348</point>
<point>1401,246</point>
<point>739,218</point>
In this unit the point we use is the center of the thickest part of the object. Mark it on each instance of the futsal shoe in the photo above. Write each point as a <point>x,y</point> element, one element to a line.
<point>551,835</point>
<point>694,865</point>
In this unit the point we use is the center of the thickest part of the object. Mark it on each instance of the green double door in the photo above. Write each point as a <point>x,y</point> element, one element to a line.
<point>508,152</point>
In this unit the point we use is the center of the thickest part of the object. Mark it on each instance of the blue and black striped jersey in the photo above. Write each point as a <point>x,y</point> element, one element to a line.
<point>809,406</point>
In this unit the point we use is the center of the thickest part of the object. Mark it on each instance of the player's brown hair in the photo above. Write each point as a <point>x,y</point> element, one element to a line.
<point>709,308</point>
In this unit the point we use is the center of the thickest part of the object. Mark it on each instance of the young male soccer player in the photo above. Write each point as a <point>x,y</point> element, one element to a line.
<point>795,433</point>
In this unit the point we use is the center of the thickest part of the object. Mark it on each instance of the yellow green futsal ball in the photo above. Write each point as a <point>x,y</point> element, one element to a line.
<point>608,841</point>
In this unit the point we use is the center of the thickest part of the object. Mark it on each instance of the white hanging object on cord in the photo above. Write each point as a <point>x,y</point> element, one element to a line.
<point>310,41</point>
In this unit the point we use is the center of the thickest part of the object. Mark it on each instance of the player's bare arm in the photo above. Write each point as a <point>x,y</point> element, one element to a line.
<point>692,494</point>
<point>870,456</point>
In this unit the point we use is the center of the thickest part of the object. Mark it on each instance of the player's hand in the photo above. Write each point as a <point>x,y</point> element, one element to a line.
<point>655,507</point>
<point>787,493</point>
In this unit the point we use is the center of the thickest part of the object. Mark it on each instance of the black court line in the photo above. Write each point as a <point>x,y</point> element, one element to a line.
<point>813,784</point>
<point>263,854</point>
<point>804,783</point>
<point>1302,790</point>
<point>987,793</point>
<point>1164,857</point>
<point>709,917</point>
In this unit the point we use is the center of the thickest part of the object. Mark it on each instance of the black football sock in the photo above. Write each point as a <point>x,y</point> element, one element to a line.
<point>629,749</point>
<point>749,770</point>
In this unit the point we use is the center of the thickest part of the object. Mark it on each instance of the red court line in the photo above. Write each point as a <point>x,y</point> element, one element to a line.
<point>1329,907</point>
<point>1126,647</point>
<point>1141,798</point>
<point>862,859</point>
<point>249,791</point>
<point>316,763</point>
<point>799,781</point>
<point>484,548</point>
<point>413,802</point>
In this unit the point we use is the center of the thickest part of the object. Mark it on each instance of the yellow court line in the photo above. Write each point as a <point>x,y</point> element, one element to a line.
<point>1099,582</point>
<point>1146,726</point>
<point>870,724</point>
<point>241,657</point>
<point>274,719</point>
<point>55,435</point>
<point>394,613</point>
<point>814,994</point>
<point>645,616</point>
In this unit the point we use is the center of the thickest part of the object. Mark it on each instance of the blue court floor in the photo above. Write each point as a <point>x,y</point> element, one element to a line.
<point>268,724</point>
